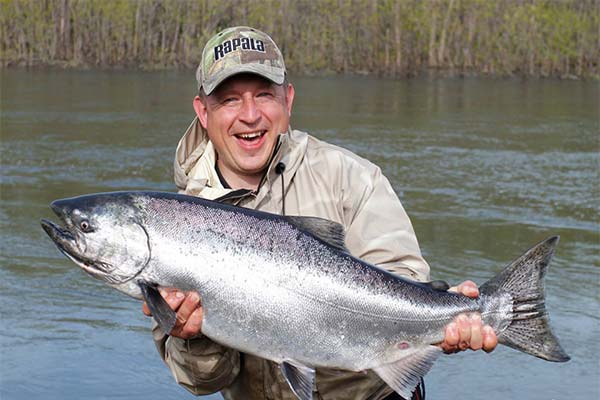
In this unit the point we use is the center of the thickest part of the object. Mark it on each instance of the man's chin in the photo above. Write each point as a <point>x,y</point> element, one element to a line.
<point>257,169</point>
<point>253,161</point>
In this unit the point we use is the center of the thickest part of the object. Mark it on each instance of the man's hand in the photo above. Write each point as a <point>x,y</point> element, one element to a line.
<point>188,307</point>
<point>467,331</point>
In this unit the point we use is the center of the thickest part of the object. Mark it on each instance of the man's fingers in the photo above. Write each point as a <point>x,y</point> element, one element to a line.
<point>464,331</point>
<point>189,317</point>
<point>468,332</point>
<point>174,298</point>
<point>476,332</point>
<point>451,338</point>
<point>193,325</point>
<point>188,306</point>
<point>490,340</point>
<point>468,288</point>
<point>187,309</point>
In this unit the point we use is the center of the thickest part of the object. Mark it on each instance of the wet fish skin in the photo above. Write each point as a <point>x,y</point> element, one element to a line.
<point>285,288</point>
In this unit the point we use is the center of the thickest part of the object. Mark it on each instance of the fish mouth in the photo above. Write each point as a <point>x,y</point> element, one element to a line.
<point>56,232</point>
<point>66,242</point>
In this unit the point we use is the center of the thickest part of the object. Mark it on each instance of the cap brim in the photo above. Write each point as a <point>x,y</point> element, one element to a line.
<point>275,75</point>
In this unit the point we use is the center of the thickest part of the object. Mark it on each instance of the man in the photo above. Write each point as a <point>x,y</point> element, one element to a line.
<point>241,150</point>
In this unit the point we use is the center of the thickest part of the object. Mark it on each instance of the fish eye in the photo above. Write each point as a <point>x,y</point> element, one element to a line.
<point>85,225</point>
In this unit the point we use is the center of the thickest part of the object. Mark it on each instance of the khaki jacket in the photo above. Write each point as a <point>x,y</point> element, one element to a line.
<point>320,180</point>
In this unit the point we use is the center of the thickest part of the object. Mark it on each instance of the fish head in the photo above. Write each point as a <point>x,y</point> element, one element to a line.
<point>104,235</point>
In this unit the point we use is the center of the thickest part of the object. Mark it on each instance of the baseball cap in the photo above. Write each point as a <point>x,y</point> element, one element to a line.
<point>236,50</point>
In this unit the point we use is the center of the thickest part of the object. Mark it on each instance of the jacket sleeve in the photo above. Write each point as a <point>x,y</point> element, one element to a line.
<point>378,229</point>
<point>199,365</point>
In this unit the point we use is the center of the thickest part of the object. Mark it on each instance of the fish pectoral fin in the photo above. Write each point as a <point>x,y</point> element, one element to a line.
<point>404,374</point>
<point>162,313</point>
<point>300,378</point>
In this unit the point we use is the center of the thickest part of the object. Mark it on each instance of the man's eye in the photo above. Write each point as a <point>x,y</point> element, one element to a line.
<point>229,100</point>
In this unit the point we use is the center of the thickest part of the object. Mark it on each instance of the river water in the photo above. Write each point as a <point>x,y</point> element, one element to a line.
<point>485,168</point>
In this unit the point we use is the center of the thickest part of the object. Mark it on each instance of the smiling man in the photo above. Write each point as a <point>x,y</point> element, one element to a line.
<point>244,117</point>
<point>240,149</point>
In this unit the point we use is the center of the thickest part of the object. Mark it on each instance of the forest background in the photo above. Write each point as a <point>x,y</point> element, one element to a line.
<point>381,37</point>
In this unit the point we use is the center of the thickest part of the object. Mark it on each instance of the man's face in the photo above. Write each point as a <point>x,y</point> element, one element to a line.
<point>243,117</point>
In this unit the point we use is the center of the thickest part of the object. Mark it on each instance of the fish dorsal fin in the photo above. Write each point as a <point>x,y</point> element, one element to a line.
<point>300,378</point>
<point>404,374</point>
<point>328,231</point>
<point>161,311</point>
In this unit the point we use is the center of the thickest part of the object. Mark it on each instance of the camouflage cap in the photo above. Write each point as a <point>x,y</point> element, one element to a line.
<point>236,50</point>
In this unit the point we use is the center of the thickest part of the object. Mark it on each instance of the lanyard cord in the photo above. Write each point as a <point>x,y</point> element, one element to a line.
<point>279,168</point>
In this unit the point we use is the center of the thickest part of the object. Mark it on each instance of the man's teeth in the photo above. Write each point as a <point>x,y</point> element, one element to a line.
<point>250,135</point>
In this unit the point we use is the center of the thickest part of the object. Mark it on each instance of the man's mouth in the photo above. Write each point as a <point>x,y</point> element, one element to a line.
<point>250,138</point>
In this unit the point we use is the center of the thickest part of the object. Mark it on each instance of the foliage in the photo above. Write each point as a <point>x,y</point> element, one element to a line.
<point>384,37</point>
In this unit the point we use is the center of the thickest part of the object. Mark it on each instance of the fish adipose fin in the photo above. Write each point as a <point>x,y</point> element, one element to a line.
<point>405,374</point>
<point>300,378</point>
<point>162,313</point>
<point>523,324</point>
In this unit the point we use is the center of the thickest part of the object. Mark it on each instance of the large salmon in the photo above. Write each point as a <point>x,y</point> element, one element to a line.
<point>286,289</point>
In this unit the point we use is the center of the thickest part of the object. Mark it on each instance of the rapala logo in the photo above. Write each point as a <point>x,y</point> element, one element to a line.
<point>233,44</point>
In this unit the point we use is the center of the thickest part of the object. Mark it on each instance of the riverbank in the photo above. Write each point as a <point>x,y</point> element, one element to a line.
<point>532,38</point>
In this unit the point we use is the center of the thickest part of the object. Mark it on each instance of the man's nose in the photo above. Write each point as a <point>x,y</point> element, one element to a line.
<point>249,113</point>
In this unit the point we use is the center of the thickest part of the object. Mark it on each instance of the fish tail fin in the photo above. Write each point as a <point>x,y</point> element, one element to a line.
<point>513,303</point>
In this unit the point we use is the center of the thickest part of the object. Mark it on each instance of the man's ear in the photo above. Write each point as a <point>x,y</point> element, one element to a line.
<point>201,112</point>
<point>289,98</point>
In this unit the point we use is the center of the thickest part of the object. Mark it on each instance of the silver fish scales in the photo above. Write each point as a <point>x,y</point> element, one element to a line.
<point>286,289</point>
